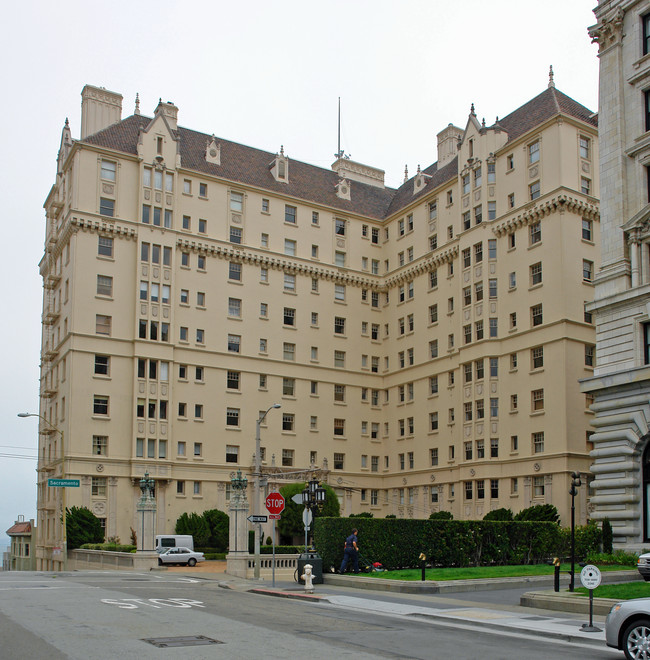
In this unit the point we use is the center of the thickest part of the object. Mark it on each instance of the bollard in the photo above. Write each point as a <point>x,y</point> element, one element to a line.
<point>423,557</point>
<point>556,577</point>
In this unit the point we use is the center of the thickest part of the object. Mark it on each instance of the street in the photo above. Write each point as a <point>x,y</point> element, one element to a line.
<point>102,615</point>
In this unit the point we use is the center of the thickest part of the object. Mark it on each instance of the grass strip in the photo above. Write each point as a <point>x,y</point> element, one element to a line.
<point>625,591</point>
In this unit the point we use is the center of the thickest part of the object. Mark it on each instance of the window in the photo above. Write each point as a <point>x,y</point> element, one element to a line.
<point>467,333</point>
<point>232,380</point>
<point>289,282</point>
<point>465,183</point>
<point>265,206</point>
<point>536,274</point>
<point>314,217</point>
<point>339,358</point>
<point>339,393</point>
<point>492,286</point>
<point>200,336</point>
<point>234,343</point>
<point>339,292</point>
<point>102,365</point>
<point>98,486</point>
<point>234,307</point>
<point>534,190</point>
<point>198,448</point>
<point>585,186</point>
<point>105,246</point>
<point>589,355</point>
<point>232,416</point>
<point>234,271</point>
<point>433,348</point>
<point>536,314</point>
<point>587,229</point>
<point>339,427</point>
<point>236,201</point>
<point>289,351</point>
<point>198,411</point>
<point>645,20</point>
<point>290,213</point>
<point>232,454</point>
<point>433,279</point>
<point>587,270</point>
<point>200,262</point>
<point>289,316</point>
<point>513,320</point>
<point>537,400</point>
<point>538,442</point>
<point>494,407</point>
<point>535,233</point>
<point>511,201</point>
<point>100,405</point>
<point>290,247</point>
<point>478,215</point>
<point>107,207</point>
<point>100,445</point>
<point>494,328</point>
<point>103,324</point>
<point>533,152</point>
<point>339,227</point>
<point>203,189</point>
<point>339,325</point>
<point>287,457</point>
<point>480,412</point>
<point>467,219</point>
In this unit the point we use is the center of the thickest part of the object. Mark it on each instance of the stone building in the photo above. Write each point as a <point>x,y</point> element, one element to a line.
<point>621,379</point>
<point>424,342</point>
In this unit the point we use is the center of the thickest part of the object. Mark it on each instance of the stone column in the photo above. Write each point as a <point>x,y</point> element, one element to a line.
<point>237,557</point>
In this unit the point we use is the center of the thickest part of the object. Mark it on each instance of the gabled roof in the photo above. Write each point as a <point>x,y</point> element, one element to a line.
<point>19,529</point>
<point>249,166</point>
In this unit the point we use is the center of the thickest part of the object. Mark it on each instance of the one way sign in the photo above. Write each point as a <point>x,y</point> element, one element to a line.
<point>257,519</point>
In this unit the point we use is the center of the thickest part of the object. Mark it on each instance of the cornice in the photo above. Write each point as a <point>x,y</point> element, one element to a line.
<point>535,213</point>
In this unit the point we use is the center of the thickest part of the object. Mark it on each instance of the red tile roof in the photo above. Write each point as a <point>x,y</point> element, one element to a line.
<point>19,528</point>
<point>316,185</point>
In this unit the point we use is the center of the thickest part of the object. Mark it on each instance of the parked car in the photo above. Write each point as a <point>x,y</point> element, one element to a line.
<point>643,564</point>
<point>180,555</point>
<point>628,628</point>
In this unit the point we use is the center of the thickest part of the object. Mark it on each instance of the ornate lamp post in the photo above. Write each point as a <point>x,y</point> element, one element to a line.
<point>256,488</point>
<point>239,509</point>
<point>573,491</point>
<point>64,528</point>
<point>147,503</point>
<point>313,497</point>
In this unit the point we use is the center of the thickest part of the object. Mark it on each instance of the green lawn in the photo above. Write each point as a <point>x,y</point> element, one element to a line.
<point>481,572</point>
<point>619,591</point>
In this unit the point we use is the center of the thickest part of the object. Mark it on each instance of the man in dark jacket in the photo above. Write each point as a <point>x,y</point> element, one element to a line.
<point>351,553</point>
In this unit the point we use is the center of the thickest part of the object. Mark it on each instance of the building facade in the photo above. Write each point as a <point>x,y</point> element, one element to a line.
<point>21,555</point>
<point>424,342</point>
<point>621,380</point>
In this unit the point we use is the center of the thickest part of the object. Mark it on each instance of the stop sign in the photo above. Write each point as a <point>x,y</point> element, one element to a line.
<point>275,503</point>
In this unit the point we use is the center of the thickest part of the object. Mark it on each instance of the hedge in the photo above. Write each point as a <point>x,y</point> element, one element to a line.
<point>397,543</point>
<point>112,547</point>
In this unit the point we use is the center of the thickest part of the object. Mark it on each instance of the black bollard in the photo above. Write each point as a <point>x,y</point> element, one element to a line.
<point>556,579</point>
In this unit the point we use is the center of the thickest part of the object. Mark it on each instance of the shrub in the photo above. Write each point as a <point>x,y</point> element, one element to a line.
<point>195,525</point>
<point>444,542</point>
<point>111,547</point>
<point>608,536</point>
<point>218,524</point>
<point>269,541</point>
<point>539,512</point>
<point>441,515</point>
<point>363,514</point>
<point>588,540</point>
<point>82,526</point>
<point>502,514</point>
<point>620,558</point>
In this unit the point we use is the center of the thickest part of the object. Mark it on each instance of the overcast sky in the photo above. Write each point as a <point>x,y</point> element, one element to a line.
<point>264,74</point>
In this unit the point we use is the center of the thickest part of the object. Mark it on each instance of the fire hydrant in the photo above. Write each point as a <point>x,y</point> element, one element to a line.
<point>307,577</point>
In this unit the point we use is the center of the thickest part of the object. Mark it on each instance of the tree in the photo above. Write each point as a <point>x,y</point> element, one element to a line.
<point>196,526</point>
<point>504,515</point>
<point>441,515</point>
<point>607,536</point>
<point>539,513</point>
<point>291,525</point>
<point>82,526</point>
<point>218,522</point>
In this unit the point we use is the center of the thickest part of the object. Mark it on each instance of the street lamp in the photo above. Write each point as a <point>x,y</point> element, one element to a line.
<point>313,497</point>
<point>258,477</point>
<point>573,491</point>
<point>147,503</point>
<point>64,542</point>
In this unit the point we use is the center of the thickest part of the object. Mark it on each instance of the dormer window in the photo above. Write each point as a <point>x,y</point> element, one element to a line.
<point>343,189</point>
<point>159,146</point>
<point>213,152</point>
<point>280,167</point>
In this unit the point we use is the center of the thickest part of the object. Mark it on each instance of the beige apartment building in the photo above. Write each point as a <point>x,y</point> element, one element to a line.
<point>621,380</point>
<point>424,342</point>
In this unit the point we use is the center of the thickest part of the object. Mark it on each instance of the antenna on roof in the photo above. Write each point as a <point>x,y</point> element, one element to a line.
<point>339,152</point>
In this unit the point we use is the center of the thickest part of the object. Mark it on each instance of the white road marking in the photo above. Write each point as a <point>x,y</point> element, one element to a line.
<point>132,603</point>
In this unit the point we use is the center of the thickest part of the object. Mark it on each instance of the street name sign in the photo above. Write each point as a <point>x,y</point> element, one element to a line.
<point>274,503</point>
<point>257,519</point>
<point>63,483</point>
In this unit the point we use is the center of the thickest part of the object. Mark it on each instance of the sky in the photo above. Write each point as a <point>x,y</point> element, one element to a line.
<point>264,74</point>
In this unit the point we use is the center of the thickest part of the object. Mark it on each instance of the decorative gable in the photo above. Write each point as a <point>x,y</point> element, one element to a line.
<point>280,167</point>
<point>420,181</point>
<point>213,152</point>
<point>343,189</point>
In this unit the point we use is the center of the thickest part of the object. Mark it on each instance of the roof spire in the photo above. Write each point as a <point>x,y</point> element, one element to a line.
<point>471,112</point>
<point>282,150</point>
<point>406,173</point>
<point>67,123</point>
<point>418,168</point>
<point>551,82</point>
<point>483,122</point>
<point>137,104</point>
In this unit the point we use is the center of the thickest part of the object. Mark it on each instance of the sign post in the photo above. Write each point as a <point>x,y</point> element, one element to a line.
<point>275,505</point>
<point>590,579</point>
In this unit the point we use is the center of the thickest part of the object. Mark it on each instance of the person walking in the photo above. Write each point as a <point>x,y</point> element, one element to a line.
<point>350,553</point>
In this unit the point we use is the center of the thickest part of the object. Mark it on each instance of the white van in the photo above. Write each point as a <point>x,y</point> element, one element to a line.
<point>166,541</point>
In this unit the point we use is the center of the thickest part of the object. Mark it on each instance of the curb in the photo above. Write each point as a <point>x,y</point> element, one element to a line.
<point>566,602</point>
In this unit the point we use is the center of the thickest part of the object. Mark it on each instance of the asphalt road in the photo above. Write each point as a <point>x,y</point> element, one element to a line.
<point>110,615</point>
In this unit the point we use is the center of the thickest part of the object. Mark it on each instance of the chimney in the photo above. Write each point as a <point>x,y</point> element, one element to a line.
<point>169,111</point>
<point>99,109</point>
<point>448,144</point>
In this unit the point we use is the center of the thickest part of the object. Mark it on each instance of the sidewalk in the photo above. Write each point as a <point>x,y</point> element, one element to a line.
<point>352,593</point>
